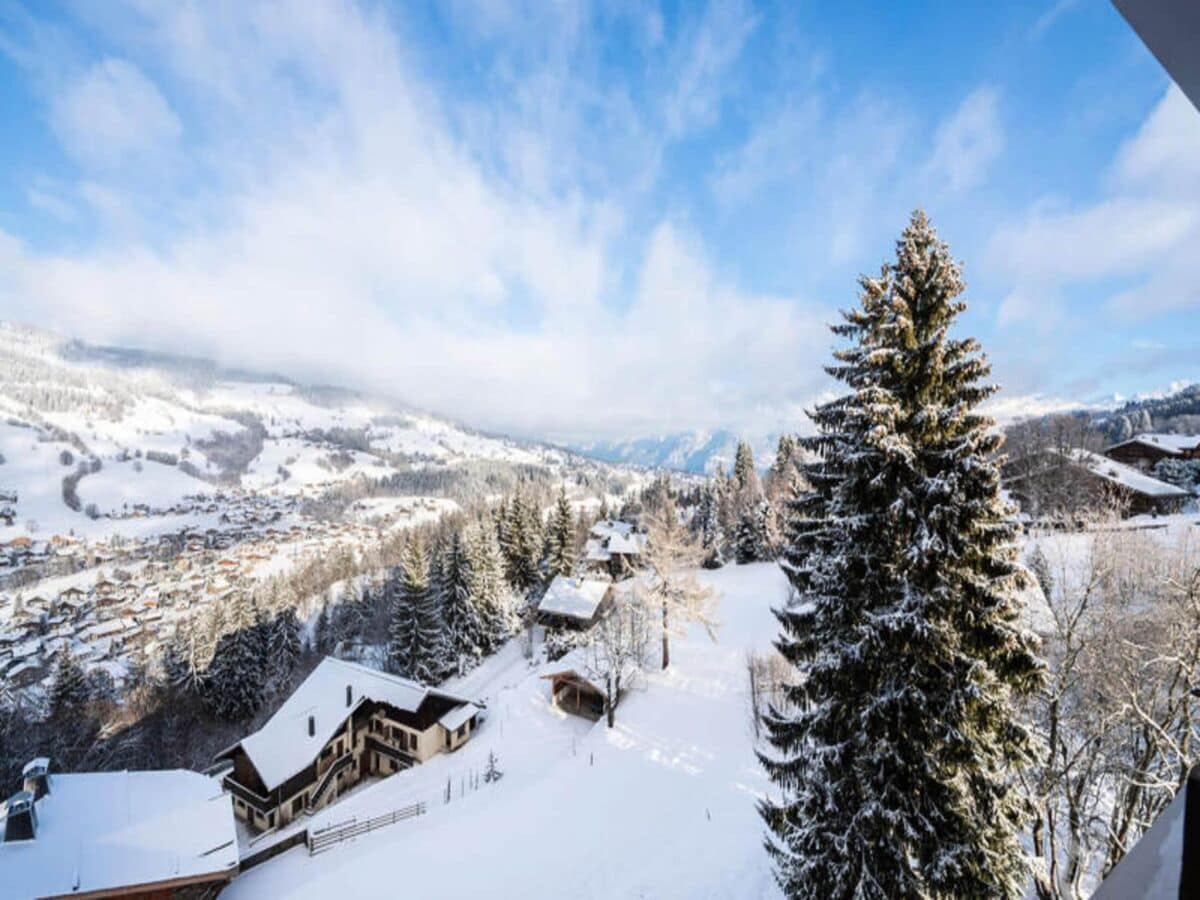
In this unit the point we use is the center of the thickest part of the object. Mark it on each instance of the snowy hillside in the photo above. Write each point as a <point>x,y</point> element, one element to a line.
<point>101,441</point>
<point>662,805</point>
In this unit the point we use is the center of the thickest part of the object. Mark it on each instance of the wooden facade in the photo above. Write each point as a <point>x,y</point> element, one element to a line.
<point>375,740</point>
<point>1145,451</point>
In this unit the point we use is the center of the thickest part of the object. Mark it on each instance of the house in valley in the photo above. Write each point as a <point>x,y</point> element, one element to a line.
<point>145,835</point>
<point>345,722</point>
<point>1144,451</point>
<point>575,602</point>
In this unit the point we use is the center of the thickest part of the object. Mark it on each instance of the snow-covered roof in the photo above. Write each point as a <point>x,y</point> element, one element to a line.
<point>576,598</point>
<point>1126,476</point>
<point>97,831</point>
<point>608,527</point>
<point>1169,443</point>
<point>283,746</point>
<point>458,716</point>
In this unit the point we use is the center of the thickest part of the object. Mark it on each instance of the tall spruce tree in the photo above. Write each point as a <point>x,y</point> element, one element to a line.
<point>69,689</point>
<point>521,541</point>
<point>233,683</point>
<point>895,753</point>
<point>464,624</point>
<point>489,592</point>
<point>417,645</point>
<point>560,538</point>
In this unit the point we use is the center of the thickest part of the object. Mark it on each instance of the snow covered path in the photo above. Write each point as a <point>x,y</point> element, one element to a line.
<point>662,806</point>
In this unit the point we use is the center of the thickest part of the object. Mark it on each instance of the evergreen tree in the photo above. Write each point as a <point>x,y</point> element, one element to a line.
<point>488,591</point>
<point>560,539</point>
<point>521,542</point>
<point>895,754</point>
<point>69,692</point>
<point>753,540</point>
<point>744,476</point>
<point>417,647</point>
<point>234,681</point>
<point>463,623</point>
<point>284,646</point>
<point>708,524</point>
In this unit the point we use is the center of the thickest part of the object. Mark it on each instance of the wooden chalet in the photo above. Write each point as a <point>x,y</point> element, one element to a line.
<point>1144,451</point>
<point>345,722</point>
<point>1099,478</point>
<point>575,602</point>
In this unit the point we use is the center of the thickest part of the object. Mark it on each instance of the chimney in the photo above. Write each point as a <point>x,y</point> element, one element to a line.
<point>349,695</point>
<point>36,776</point>
<point>20,821</point>
<point>312,726</point>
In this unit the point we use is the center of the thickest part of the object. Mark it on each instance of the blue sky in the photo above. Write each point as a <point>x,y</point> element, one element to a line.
<point>581,220</point>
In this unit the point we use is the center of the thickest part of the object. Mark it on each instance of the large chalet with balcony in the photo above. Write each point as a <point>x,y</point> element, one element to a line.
<point>345,722</point>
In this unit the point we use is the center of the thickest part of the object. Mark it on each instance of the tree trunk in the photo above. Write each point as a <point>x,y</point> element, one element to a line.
<point>666,653</point>
<point>611,705</point>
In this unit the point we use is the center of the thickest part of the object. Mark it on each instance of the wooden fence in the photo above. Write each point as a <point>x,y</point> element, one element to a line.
<point>335,834</point>
<point>258,857</point>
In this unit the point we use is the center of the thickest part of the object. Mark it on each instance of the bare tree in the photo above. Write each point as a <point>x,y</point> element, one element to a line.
<point>672,555</point>
<point>617,649</point>
<point>1118,717</point>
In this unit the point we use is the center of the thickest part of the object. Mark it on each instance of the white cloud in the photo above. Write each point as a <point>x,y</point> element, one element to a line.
<point>707,54</point>
<point>361,239</point>
<point>112,113</point>
<point>969,141</point>
<point>1145,228</point>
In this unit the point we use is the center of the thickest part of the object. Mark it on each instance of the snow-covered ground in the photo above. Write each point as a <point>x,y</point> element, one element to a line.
<point>661,806</point>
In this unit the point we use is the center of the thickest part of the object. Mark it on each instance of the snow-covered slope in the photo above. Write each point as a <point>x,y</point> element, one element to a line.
<point>661,806</point>
<point>92,437</point>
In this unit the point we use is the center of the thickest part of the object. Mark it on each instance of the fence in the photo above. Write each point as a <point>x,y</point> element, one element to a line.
<point>335,834</point>
<point>271,851</point>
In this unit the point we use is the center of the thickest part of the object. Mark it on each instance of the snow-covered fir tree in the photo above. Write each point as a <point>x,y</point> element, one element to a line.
<point>463,623</point>
<point>896,767</point>
<point>417,646</point>
<point>69,688</point>
<point>708,525</point>
<point>489,592</point>
<point>753,543</point>
<point>520,533</point>
<point>233,683</point>
<point>743,475</point>
<point>560,539</point>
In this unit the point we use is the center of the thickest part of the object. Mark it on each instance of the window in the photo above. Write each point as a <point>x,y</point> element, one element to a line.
<point>462,729</point>
<point>297,805</point>
<point>271,819</point>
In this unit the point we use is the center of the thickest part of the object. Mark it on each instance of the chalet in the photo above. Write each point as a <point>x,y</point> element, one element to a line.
<point>344,722</point>
<point>575,602</point>
<point>614,546</point>
<point>1138,492</point>
<point>115,834</point>
<point>1143,451</point>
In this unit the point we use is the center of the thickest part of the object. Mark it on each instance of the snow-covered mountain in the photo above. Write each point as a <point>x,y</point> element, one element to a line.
<point>700,452</point>
<point>89,435</point>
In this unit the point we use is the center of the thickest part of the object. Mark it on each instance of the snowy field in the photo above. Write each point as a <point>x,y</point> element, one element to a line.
<point>661,806</point>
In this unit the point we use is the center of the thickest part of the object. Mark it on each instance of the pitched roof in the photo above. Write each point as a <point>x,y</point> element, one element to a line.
<point>283,747</point>
<point>1176,444</point>
<point>1125,476</point>
<point>98,831</point>
<point>576,598</point>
